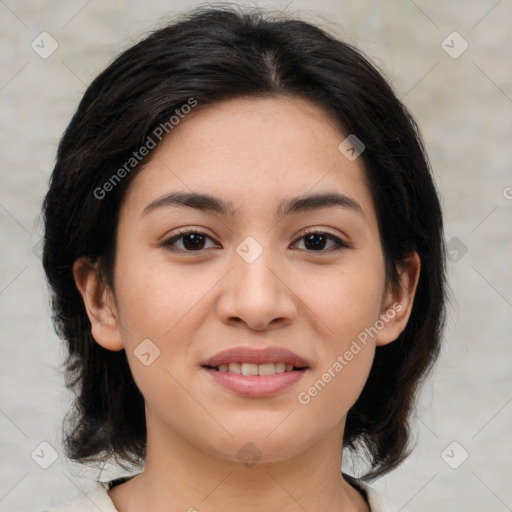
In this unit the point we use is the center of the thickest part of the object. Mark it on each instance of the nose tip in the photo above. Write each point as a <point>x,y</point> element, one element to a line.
<point>255,293</point>
<point>261,325</point>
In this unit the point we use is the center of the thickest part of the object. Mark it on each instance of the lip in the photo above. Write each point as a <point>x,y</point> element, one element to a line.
<point>256,386</point>
<point>256,356</point>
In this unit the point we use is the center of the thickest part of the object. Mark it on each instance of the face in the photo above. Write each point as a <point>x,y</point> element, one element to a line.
<point>259,267</point>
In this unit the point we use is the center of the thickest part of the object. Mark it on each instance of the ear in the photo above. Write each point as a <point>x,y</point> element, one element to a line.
<point>398,300</point>
<point>99,304</point>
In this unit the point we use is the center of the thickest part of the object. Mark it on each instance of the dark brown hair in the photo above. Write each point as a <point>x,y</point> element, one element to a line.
<point>211,54</point>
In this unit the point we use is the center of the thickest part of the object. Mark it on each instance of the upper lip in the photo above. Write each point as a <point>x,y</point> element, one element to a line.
<point>256,356</point>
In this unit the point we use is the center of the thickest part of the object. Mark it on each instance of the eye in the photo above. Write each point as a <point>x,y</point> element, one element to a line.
<point>193,240</point>
<point>316,241</point>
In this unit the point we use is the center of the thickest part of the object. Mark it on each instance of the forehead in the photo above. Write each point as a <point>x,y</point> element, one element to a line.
<point>252,152</point>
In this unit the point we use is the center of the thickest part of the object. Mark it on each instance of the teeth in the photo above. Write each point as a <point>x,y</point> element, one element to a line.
<point>266,369</point>
<point>249,369</point>
<point>235,368</point>
<point>256,369</point>
<point>280,367</point>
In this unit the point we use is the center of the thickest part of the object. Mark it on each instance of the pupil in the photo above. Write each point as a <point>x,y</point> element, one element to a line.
<point>310,238</point>
<point>196,241</point>
<point>314,241</point>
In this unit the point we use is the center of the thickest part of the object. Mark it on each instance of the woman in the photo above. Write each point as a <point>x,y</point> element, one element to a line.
<point>244,246</point>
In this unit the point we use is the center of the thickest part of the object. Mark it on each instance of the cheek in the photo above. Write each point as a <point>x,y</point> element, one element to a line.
<point>156,308</point>
<point>347,299</point>
<point>159,312</point>
<point>344,363</point>
<point>348,305</point>
<point>155,296</point>
<point>326,399</point>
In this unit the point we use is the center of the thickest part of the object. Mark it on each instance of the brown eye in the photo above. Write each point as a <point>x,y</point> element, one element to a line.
<point>316,241</point>
<point>192,241</point>
<point>195,241</point>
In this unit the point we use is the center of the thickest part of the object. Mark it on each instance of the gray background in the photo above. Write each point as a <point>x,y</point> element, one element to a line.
<point>464,108</point>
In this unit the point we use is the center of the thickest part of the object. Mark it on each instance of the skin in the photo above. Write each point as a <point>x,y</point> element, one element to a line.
<point>255,153</point>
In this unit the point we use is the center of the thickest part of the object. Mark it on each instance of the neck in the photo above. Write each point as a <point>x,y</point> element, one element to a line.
<point>179,476</point>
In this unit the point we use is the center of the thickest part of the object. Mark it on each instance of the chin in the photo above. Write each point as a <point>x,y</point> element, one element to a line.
<point>257,447</point>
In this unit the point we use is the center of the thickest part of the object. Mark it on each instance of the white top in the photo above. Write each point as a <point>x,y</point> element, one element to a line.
<point>98,499</point>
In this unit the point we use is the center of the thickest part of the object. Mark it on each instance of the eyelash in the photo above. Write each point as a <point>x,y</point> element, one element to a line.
<point>168,243</point>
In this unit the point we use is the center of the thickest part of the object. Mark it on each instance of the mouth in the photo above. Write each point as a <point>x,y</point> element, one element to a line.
<point>242,368</point>
<point>256,361</point>
<point>256,373</point>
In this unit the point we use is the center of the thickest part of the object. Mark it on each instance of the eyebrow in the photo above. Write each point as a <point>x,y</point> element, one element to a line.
<point>299,204</point>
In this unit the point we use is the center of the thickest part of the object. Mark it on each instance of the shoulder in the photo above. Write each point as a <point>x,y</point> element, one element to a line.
<point>99,499</point>
<point>377,502</point>
<point>94,500</point>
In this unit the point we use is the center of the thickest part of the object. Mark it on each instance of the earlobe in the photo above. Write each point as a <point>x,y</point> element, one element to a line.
<point>99,304</point>
<point>397,305</point>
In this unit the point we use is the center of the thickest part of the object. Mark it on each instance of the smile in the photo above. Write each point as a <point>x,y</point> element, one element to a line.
<point>256,372</point>
<point>256,369</point>
<point>255,381</point>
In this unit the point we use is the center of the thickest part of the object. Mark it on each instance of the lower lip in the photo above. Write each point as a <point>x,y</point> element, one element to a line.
<point>256,386</point>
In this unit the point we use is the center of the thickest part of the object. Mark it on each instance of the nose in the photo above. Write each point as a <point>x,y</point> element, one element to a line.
<point>258,294</point>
